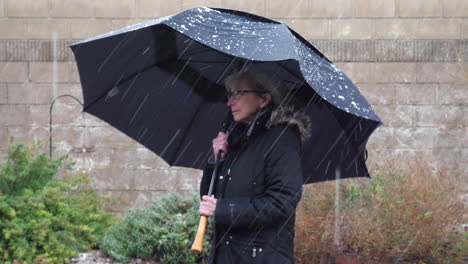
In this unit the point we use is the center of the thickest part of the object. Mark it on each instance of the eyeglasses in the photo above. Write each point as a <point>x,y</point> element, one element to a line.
<point>237,94</point>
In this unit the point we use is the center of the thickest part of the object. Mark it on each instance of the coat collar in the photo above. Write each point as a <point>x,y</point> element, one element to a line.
<point>269,118</point>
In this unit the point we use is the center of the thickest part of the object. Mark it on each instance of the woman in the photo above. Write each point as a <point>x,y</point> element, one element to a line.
<point>260,179</point>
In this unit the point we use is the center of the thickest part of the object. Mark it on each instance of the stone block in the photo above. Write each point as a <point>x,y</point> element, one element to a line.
<point>382,138</point>
<point>455,8</point>
<point>394,50</point>
<point>359,72</point>
<point>26,8</point>
<point>154,180</point>
<point>121,23</point>
<point>283,9</point>
<point>115,9</point>
<point>188,179</point>
<point>439,116</point>
<point>113,179</point>
<point>48,72</point>
<point>39,115</point>
<point>351,29</point>
<point>396,115</point>
<point>465,116</point>
<point>3,94</point>
<point>72,89</point>
<point>2,8</point>
<point>436,50</point>
<point>310,28</point>
<point>30,135</point>
<point>137,158</point>
<point>61,50</point>
<point>379,94</point>
<point>27,50</point>
<point>416,94</point>
<point>451,138</point>
<point>395,28</point>
<point>186,4</point>
<point>44,28</point>
<point>13,72</point>
<point>464,33</point>
<point>157,8</point>
<point>373,8</point>
<point>394,72</point>
<point>36,50</point>
<point>441,72</point>
<point>87,158</point>
<point>362,50</point>
<point>69,137</point>
<point>414,137</point>
<point>150,160</point>
<point>330,9</point>
<point>251,6</point>
<point>419,8</point>
<point>86,28</point>
<point>3,51</point>
<point>13,29</point>
<point>91,120</point>
<point>74,73</point>
<point>347,50</point>
<point>51,92</point>
<point>464,71</point>
<point>462,52</point>
<point>72,8</point>
<point>109,137</point>
<point>4,139</point>
<point>68,115</point>
<point>438,28</point>
<point>29,93</point>
<point>121,201</point>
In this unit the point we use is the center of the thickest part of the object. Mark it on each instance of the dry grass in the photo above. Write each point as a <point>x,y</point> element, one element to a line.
<point>407,215</point>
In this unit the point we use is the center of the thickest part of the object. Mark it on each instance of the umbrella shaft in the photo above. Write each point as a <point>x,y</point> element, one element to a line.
<point>215,173</point>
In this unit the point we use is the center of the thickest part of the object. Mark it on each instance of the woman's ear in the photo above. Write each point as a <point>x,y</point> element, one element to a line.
<point>266,100</point>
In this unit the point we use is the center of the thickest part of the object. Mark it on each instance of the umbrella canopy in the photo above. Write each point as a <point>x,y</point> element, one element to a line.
<point>161,83</point>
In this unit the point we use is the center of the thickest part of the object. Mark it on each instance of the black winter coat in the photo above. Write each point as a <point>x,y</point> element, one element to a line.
<point>258,188</point>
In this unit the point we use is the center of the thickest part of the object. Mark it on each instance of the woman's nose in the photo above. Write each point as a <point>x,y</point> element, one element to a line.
<point>230,102</point>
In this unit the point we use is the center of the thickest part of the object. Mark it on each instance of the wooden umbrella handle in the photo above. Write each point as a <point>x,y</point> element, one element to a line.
<point>197,245</point>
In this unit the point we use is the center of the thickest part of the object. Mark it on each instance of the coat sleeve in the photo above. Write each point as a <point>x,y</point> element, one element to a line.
<point>283,188</point>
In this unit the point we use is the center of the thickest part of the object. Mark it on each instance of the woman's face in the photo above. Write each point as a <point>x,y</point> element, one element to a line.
<point>246,105</point>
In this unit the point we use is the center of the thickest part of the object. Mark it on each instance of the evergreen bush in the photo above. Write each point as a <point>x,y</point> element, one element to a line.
<point>163,232</point>
<point>42,219</point>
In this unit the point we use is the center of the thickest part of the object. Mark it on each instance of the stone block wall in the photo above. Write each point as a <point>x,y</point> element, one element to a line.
<point>409,59</point>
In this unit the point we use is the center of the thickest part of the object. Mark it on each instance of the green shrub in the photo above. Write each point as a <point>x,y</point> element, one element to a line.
<point>411,215</point>
<point>26,169</point>
<point>42,219</point>
<point>162,232</point>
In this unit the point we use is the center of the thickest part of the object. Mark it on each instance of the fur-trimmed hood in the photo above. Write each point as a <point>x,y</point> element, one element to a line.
<point>269,118</point>
<point>287,115</point>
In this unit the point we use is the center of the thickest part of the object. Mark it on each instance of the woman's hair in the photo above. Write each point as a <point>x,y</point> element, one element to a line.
<point>258,82</point>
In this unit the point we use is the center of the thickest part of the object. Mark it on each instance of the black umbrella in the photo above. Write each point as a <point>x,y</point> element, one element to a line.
<point>161,83</point>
